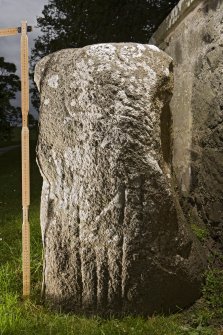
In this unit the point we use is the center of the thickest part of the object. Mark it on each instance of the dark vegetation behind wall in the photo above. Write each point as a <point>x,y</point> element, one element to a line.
<point>76,23</point>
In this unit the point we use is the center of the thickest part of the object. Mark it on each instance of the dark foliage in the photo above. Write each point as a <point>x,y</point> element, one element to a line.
<point>9,85</point>
<point>76,23</point>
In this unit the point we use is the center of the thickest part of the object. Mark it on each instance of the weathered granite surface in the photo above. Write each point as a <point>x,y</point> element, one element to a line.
<point>114,236</point>
<point>196,46</point>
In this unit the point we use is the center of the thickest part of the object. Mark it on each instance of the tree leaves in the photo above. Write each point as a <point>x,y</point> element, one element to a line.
<point>9,85</point>
<point>76,23</point>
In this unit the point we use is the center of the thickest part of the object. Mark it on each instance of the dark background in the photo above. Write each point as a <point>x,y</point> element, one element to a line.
<point>62,24</point>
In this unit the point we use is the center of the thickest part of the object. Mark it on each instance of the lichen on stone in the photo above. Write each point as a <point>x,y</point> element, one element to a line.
<point>115,238</point>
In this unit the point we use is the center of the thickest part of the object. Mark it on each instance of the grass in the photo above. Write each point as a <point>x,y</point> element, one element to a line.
<point>32,317</point>
<point>200,233</point>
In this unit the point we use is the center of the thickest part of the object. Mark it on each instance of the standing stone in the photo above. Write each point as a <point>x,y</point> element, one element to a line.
<point>114,236</point>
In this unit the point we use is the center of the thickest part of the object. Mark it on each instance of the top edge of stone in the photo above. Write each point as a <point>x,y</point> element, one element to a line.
<point>152,47</point>
<point>46,60</point>
<point>178,13</point>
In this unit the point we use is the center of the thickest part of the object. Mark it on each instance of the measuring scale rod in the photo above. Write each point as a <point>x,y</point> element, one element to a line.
<point>25,150</point>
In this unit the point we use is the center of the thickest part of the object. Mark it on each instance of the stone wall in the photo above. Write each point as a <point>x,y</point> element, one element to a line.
<point>193,36</point>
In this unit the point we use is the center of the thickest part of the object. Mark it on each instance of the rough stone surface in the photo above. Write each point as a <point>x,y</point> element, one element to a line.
<point>197,109</point>
<point>114,236</point>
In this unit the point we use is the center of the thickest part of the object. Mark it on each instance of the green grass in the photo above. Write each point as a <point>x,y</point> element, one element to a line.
<point>31,317</point>
<point>200,233</point>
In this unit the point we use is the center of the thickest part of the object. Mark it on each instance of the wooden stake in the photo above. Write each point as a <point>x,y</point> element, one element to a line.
<point>25,161</point>
<point>25,150</point>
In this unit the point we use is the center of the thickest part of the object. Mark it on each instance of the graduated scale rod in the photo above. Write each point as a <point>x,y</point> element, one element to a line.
<point>25,149</point>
